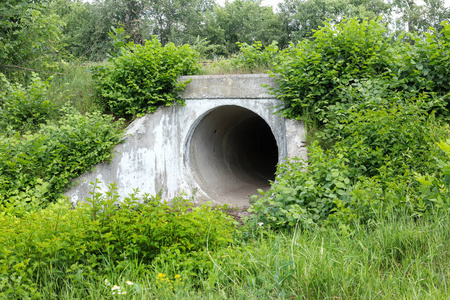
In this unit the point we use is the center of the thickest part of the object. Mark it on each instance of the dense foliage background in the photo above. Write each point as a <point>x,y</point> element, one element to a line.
<point>366,216</point>
<point>36,34</point>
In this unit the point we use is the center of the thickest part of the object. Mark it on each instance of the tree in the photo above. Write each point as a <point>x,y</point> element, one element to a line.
<point>128,14</point>
<point>410,14</point>
<point>177,21</point>
<point>243,21</point>
<point>29,35</point>
<point>436,13</point>
<point>419,18</point>
<point>300,17</point>
<point>87,25</point>
<point>77,37</point>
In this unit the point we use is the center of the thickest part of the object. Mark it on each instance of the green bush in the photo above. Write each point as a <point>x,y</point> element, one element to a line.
<point>314,72</point>
<point>416,195</point>
<point>255,57</point>
<point>25,108</point>
<point>36,168</point>
<point>424,66</point>
<point>391,138</point>
<point>434,188</point>
<point>360,57</point>
<point>368,173</point>
<point>80,242</point>
<point>207,51</point>
<point>372,199</point>
<point>145,231</point>
<point>303,192</point>
<point>142,78</point>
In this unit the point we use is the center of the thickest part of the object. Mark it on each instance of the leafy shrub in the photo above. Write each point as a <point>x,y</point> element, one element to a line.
<point>353,56</point>
<point>144,231</point>
<point>424,66</point>
<point>35,168</point>
<point>367,174</point>
<point>396,196</point>
<point>372,199</point>
<point>313,73</point>
<point>141,78</point>
<point>303,192</point>
<point>25,108</point>
<point>434,188</point>
<point>375,102</point>
<point>207,50</point>
<point>391,138</point>
<point>78,242</point>
<point>251,59</point>
<point>256,57</point>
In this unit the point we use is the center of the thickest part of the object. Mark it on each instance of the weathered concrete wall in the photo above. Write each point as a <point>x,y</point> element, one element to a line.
<point>211,147</point>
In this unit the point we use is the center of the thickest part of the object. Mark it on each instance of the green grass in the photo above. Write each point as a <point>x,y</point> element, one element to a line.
<point>393,259</point>
<point>75,87</point>
<point>227,66</point>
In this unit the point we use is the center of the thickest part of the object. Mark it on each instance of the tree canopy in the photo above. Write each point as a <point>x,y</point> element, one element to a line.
<point>34,34</point>
<point>29,34</point>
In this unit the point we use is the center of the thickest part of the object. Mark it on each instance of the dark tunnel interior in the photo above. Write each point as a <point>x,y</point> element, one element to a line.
<point>232,153</point>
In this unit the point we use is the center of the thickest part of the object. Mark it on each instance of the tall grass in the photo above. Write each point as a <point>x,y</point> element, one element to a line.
<point>393,259</point>
<point>231,66</point>
<point>75,86</point>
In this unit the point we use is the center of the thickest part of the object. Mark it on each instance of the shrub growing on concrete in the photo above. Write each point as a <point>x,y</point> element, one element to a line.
<point>369,173</point>
<point>313,73</point>
<point>375,101</point>
<point>142,78</point>
<point>36,168</point>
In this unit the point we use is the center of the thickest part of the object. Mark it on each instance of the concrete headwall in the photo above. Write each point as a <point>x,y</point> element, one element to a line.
<point>222,145</point>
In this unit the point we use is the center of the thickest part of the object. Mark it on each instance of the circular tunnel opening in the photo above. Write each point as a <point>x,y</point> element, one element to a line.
<point>232,153</point>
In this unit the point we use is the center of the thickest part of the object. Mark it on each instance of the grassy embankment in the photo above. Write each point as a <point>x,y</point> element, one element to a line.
<point>401,258</point>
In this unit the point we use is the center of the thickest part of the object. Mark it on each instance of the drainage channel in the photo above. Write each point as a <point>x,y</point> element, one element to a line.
<point>232,152</point>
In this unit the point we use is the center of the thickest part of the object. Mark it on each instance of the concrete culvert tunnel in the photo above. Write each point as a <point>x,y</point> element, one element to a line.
<point>223,145</point>
<point>232,152</point>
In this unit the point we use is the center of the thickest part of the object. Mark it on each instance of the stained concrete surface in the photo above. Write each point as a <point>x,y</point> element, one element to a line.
<point>221,146</point>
